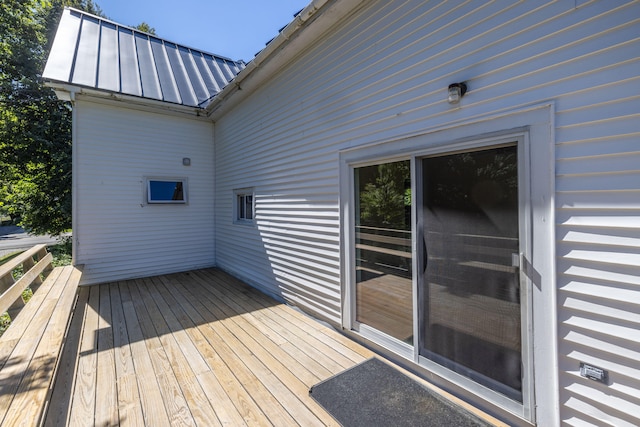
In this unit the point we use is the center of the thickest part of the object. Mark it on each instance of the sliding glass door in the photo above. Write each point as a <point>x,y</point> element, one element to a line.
<point>465,301</point>
<point>468,230</point>
<point>447,255</point>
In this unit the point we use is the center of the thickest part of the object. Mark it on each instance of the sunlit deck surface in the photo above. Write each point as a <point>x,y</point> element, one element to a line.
<point>197,348</point>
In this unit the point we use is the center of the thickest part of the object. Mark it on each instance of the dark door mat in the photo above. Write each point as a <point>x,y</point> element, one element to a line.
<point>375,394</point>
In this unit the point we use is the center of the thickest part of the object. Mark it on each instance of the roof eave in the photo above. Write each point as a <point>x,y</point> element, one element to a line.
<point>68,92</point>
<point>191,77</point>
<point>291,41</point>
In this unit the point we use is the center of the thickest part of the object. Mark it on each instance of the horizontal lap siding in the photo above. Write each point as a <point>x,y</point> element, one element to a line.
<point>383,74</point>
<point>117,234</point>
<point>598,222</point>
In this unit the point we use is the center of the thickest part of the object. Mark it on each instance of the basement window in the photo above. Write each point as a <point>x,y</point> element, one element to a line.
<point>244,206</point>
<point>167,190</point>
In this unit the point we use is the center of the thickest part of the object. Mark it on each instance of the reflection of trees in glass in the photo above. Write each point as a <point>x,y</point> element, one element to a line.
<point>476,178</point>
<point>481,186</point>
<point>385,195</point>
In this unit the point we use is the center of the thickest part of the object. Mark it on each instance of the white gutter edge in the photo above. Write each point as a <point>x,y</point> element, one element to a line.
<point>68,92</point>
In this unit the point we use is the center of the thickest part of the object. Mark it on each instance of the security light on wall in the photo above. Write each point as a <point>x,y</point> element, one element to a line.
<point>456,91</point>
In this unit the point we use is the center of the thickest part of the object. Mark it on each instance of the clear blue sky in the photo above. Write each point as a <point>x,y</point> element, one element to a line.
<point>237,29</point>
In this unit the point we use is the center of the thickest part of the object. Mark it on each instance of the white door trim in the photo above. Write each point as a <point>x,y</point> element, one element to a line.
<point>536,125</point>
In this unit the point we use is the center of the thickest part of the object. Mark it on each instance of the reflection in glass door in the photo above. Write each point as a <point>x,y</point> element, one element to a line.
<point>384,296</point>
<point>469,287</point>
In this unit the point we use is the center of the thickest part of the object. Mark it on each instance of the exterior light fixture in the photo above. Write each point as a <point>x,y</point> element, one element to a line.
<point>456,91</point>
<point>186,161</point>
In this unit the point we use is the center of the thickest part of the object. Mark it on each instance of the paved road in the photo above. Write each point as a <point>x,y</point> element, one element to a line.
<point>13,238</point>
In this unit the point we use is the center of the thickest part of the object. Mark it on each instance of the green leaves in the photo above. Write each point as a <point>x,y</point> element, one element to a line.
<point>143,26</point>
<point>21,42</point>
<point>386,196</point>
<point>35,127</point>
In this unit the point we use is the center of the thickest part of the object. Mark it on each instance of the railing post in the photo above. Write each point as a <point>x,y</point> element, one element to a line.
<point>35,264</point>
<point>15,308</point>
<point>5,283</point>
<point>41,254</point>
<point>27,265</point>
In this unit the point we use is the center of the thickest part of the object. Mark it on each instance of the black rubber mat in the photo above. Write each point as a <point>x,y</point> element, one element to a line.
<point>375,394</point>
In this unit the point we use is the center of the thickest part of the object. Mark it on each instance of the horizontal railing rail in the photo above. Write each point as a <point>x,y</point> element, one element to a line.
<point>31,346</point>
<point>35,265</point>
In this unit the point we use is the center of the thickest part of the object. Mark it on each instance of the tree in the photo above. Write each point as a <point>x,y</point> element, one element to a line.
<point>143,26</point>
<point>35,127</point>
<point>385,199</point>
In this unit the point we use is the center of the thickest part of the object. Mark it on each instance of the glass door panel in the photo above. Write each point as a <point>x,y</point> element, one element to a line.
<point>470,315</point>
<point>384,296</point>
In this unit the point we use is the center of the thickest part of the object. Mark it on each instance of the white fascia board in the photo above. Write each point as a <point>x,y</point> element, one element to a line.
<point>67,92</point>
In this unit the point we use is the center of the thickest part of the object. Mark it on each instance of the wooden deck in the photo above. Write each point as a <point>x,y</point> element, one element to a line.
<point>198,348</point>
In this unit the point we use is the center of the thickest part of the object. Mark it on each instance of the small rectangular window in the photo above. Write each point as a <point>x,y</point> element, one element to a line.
<point>166,190</point>
<point>244,205</point>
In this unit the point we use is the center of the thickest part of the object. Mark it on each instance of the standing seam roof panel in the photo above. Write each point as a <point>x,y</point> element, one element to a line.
<point>129,69</point>
<point>108,63</point>
<point>224,67</point>
<point>207,75</point>
<point>151,87</point>
<point>86,65</point>
<point>61,58</point>
<point>180,76</point>
<point>217,72</point>
<point>90,51</point>
<point>197,83</point>
<point>165,72</point>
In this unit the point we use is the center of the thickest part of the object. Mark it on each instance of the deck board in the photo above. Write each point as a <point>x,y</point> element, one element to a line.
<point>279,388</point>
<point>106,393</point>
<point>225,392</point>
<point>195,348</point>
<point>84,393</point>
<point>228,346</point>
<point>60,403</point>
<point>153,409</point>
<point>129,407</point>
<point>154,333</point>
<point>182,355</point>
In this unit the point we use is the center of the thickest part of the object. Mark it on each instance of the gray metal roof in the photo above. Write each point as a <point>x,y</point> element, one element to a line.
<point>92,52</point>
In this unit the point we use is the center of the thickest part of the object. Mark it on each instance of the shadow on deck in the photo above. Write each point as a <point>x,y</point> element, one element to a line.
<point>193,348</point>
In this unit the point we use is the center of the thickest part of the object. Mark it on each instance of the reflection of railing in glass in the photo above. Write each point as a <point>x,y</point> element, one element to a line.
<point>384,251</point>
<point>384,288</point>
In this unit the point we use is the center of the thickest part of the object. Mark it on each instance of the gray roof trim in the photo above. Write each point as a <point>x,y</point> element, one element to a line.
<point>92,52</point>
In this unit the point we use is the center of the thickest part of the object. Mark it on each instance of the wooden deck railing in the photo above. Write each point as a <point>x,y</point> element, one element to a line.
<point>30,348</point>
<point>35,264</point>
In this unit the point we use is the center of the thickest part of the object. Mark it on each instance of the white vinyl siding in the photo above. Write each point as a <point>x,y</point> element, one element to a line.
<point>383,75</point>
<point>117,234</point>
